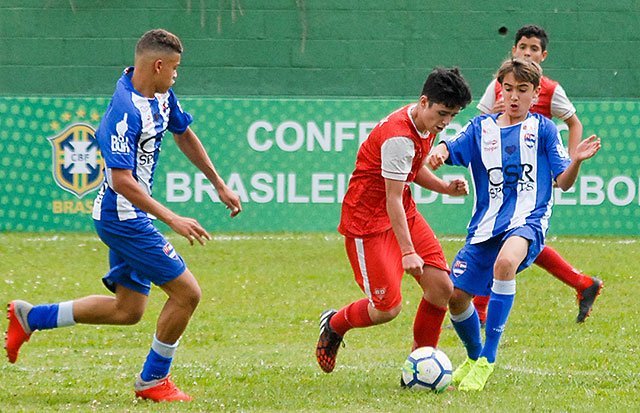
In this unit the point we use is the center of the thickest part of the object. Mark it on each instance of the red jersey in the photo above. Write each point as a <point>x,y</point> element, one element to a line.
<point>364,210</point>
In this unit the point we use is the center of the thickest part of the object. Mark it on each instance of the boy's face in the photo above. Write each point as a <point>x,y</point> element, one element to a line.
<point>529,48</point>
<point>166,71</point>
<point>433,118</point>
<point>518,96</point>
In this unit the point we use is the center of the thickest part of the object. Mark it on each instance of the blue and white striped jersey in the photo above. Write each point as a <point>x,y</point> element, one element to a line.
<point>130,135</point>
<point>512,169</point>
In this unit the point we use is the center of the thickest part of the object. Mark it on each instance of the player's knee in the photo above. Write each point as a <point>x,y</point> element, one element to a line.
<point>505,268</point>
<point>130,316</point>
<point>445,287</point>
<point>386,316</point>
<point>191,298</point>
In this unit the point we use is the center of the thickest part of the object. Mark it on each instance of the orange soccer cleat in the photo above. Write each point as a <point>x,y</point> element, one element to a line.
<point>18,331</point>
<point>160,390</point>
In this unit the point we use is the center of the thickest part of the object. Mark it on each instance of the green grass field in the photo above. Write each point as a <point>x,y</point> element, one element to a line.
<point>250,345</point>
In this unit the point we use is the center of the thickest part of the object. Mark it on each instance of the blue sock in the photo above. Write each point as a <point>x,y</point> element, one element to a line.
<point>467,325</point>
<point>155,367</point>
<point>158,361</point>
<point>500,303</point>
<point>47,316</point>
<point>43,317</point>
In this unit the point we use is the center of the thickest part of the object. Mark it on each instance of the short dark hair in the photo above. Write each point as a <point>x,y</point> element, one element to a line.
<point>159,40</point>
<point>533,30</point>
<point>447,86</point>
<point>523,70</point>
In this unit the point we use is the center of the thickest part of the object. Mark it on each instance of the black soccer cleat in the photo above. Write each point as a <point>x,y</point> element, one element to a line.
<point>328,343</point>
<point>586,298</point>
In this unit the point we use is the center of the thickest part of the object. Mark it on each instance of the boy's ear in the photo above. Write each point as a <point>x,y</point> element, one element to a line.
<point>544,55</point>
<point>157,65</point>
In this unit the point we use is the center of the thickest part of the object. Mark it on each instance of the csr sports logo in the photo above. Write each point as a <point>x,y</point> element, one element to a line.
<point>517,177</point>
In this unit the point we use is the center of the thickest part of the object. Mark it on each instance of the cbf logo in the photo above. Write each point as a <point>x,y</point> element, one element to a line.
<point>77,162</point>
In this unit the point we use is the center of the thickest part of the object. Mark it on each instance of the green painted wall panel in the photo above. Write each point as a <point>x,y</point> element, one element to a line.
<point>593,52</point>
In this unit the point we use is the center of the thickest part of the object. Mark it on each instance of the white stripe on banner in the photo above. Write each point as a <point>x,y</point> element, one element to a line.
<point>363,268</point>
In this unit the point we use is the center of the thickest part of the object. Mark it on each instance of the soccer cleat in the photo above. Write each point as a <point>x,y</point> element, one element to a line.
<point>461,372</point>
<point>162,390</point>
<point>328,343</point>
<point>586,298</point>
<point>477,376</point>
<point>18,331</point>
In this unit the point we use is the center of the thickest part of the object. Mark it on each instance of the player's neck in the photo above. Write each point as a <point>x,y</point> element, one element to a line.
<point>504,119</point>
<point>142,85</point>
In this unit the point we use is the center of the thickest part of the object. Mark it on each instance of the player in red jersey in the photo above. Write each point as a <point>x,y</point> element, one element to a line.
<point>385,235</point>
<point>531,43</point>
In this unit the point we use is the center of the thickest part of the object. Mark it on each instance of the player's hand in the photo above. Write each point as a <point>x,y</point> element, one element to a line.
<point>498,106</point>
<point>413,264</point>
<point>231,200</point>
<point>458,187</point>
<point>190,229</point>
<point>587,148</point>
<point>438,156</point>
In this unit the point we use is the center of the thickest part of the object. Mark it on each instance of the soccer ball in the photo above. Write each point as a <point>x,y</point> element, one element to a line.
<point>427,368</point>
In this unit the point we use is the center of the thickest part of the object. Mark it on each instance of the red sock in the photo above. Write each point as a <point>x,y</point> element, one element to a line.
<point>481,302</point>
<point>550,260</point>
<point>427,325</point>
<point>355,315</point>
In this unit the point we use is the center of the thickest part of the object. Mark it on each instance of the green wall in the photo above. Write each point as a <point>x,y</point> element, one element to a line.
<point>314,47</point>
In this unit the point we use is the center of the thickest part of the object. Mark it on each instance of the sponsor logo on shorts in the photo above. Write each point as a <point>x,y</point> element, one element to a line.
<point>170,251</point>
<point>380,292</point>
<point>459,267</point>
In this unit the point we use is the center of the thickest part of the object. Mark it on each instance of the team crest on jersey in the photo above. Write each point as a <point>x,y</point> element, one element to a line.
<point>459,267</point>
<point>77,161</point>
<point>529,140</point>
<point>170,251</point>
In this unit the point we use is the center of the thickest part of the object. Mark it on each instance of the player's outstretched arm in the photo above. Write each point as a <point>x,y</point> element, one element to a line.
<point>575,133</point>
<point>428,180</point>
<point>191,146</point>
<point>125,184</point>
<point>584,150</point>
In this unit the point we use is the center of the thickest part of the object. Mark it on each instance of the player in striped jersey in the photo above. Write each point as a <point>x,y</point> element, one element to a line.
<point>514,158</point>
<point>531,43</point>
<point>142,109</point>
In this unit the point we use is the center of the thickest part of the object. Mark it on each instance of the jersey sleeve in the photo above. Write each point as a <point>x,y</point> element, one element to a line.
<point>179,120</point>
<point>559,159</point>
<point>397,158</point>
<point>488,99</point>
<point>561,106</point>
<point>120,127</point>
<point>461,146</point>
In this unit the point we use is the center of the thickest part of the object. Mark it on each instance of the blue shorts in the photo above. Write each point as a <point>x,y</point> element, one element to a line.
<point>138,255</point>
<point>472,269</point>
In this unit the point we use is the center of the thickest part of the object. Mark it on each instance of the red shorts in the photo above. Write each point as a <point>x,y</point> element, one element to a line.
<point>377,261</point>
